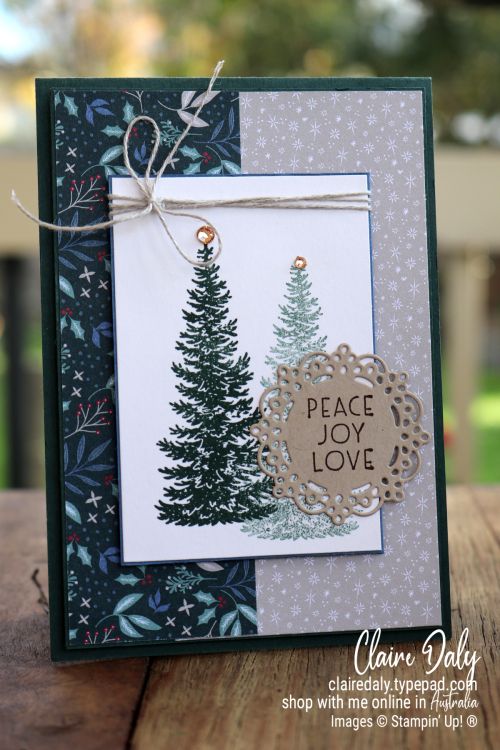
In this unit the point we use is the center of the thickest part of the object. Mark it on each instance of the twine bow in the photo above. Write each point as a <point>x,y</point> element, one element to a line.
<point>128,208</point>
<point>124,208</point>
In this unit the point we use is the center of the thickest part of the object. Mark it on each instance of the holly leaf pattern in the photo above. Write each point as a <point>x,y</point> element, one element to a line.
<point>128,112</point>
<point>206,598</point>
<point>127,579</point>
<point>190,152</point>
<point>206,616</point>
<point>83,554</point>
<point>89,465</point>
<point>193,168</point>
<point>113,131</point>
<point>76,328</point>
<point>71,107</point>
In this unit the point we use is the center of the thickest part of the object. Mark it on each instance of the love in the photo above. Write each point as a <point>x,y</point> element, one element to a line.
<point>336,460</point>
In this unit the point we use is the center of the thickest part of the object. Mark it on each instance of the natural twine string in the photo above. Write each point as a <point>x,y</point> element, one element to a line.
<point>127,208</point>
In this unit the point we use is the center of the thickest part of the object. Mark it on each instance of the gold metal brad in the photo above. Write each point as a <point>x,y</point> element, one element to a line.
<point>300,262</point>
<point>205,234</point>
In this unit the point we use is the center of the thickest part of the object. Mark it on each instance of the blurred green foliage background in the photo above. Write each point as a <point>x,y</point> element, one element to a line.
<point>454,41</point>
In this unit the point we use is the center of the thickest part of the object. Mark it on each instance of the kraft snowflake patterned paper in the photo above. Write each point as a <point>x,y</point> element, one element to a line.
<point>380,132</point>
<point>366,131</point>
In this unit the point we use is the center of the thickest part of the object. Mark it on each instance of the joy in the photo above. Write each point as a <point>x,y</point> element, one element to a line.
<point>340,433</point>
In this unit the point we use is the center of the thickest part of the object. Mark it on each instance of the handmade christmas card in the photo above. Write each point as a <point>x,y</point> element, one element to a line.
<point>241,363</point>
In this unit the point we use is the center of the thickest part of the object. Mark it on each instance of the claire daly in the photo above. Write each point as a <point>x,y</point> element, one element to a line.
<point>433,649</point>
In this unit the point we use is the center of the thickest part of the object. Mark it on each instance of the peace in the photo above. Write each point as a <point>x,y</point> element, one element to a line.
<point>354,405</point>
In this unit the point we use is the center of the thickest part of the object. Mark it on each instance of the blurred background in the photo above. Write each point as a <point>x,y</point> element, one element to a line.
<point>457,42</point>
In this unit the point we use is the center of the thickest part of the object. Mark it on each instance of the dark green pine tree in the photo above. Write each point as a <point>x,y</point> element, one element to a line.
<point>213,476</point>
<point>297,332</point>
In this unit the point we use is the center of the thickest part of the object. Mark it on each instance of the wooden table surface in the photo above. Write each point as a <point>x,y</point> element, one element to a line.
<point>224,700</point>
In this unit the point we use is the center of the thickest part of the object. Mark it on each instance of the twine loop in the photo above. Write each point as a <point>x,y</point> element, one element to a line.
<point>128,208</point>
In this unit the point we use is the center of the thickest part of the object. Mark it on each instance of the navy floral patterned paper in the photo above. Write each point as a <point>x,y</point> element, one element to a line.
<point>108,603</point>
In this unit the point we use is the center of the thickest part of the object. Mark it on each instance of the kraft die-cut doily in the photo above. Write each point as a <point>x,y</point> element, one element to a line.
<point>339,434</point>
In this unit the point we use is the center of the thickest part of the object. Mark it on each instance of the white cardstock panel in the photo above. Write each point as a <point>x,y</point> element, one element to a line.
<point>150,291</point>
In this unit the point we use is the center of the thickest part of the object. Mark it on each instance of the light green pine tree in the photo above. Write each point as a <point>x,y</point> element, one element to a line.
<point>288,522</point>
<point>296,334</point>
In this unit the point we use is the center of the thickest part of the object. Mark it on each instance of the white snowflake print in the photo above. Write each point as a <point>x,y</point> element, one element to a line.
<point>381,134</point>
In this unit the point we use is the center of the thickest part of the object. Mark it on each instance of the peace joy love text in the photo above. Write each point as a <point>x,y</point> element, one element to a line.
<point>347,430</point>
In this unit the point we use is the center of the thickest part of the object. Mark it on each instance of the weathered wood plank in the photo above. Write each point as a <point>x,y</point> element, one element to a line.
<point>220,701</point>
<point>88,706</point>
<point>234,700</point>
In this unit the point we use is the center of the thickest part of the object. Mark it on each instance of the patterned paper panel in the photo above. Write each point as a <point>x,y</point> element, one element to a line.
<point>108,603</point>
<point>380,133</point>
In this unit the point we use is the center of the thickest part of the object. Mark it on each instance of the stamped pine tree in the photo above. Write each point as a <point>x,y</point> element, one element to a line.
<point>296,334</point>
<point>297,331</point>
<point>213,476</point>
<point>288,522</point>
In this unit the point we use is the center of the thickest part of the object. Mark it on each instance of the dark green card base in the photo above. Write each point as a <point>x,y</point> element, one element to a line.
<point>53,436</point>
